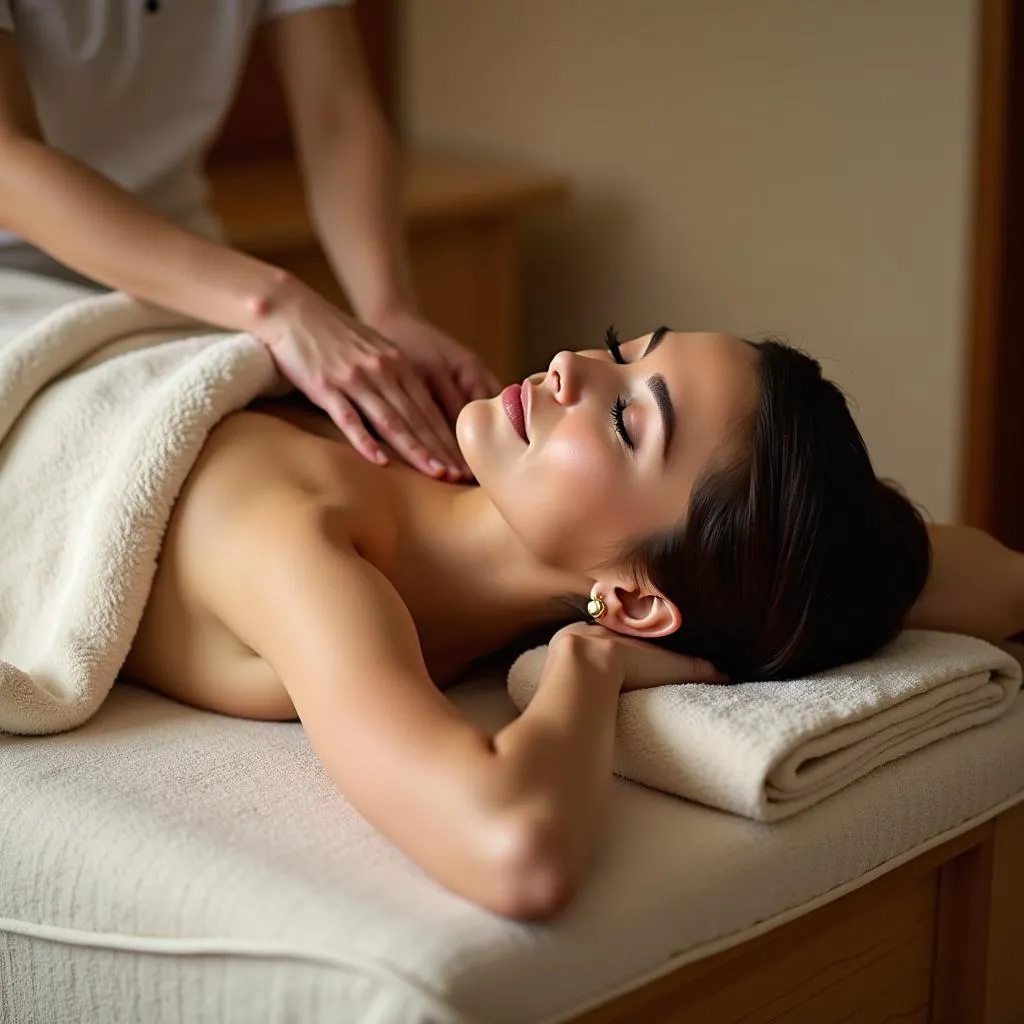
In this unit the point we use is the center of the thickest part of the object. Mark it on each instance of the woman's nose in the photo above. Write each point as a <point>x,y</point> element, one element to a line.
<point>564,373</point>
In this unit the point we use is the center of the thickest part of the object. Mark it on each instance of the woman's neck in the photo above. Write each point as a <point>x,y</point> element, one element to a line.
<point>466,578</point>
<point>476,585</point>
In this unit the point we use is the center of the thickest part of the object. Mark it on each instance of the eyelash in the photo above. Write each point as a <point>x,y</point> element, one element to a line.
<point>616,411</point>
<point>611,339</point>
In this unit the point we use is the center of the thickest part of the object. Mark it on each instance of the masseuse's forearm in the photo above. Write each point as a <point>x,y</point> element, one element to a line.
<point>97,228</point>
<point>554,762</point>
<point>975,585</point>
<point>353,181</point>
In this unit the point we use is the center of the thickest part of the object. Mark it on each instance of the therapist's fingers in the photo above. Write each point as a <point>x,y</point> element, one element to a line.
<point>404,413</point>
<point>346,418</point>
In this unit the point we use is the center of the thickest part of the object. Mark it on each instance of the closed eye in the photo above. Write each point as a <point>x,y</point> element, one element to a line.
<point>656,384</point>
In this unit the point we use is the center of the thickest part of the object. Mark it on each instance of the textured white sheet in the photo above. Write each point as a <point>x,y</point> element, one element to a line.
<point>164,864</point>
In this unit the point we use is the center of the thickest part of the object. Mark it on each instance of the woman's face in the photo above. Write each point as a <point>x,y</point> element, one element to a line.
<point>611,452</point>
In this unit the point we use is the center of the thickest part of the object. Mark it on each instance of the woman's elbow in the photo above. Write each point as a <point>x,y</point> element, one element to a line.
<point>530,873</point>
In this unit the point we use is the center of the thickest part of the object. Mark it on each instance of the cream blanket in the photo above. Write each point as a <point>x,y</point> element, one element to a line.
<point>104,406</point>
<point>768,750</point>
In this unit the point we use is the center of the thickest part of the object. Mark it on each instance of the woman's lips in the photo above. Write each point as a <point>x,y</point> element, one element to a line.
<point>512,403</point>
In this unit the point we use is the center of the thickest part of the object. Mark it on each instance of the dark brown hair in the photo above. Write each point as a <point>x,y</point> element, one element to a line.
<point>795,557</point>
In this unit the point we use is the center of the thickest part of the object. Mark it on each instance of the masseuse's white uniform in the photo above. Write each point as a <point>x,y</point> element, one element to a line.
<point>137,90</point>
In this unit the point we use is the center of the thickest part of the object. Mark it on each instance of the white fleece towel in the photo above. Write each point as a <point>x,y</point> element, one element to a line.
<point>767,750</point>
<point>104,406</point>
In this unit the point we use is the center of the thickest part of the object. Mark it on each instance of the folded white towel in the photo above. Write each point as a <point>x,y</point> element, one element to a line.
<point>767,750</point>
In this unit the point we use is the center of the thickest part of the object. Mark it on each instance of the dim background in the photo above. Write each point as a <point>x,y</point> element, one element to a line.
<point>798,167</point>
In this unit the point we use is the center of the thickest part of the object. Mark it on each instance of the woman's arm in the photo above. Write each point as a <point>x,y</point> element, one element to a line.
<point>506,820</point>
<point>975,586</point>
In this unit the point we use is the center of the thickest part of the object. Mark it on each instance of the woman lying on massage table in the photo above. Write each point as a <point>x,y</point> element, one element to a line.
<point>298,579</point>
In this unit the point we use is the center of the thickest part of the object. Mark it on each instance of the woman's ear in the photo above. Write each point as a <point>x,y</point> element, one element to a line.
<point>635,610</point>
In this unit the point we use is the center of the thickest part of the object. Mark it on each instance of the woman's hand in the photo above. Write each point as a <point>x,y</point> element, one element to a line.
<point>637,664</point>
<point>349,369</point>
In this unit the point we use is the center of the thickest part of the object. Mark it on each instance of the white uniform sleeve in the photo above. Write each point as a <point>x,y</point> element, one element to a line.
<point>275,8</point>
<point>6,18</point>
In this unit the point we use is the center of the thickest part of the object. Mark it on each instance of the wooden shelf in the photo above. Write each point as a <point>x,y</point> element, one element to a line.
<point>262,206</point>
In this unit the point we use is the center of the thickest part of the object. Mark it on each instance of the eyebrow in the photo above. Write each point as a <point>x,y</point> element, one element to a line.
<point>659,389</point>
<point>655,341</point>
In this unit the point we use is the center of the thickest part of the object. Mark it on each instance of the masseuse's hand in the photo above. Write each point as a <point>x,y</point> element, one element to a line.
<point>347,368</point>
<point>451,372</point>
<point>637,664</point>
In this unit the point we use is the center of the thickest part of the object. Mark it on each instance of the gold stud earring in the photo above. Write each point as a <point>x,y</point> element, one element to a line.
<point>596,607</point>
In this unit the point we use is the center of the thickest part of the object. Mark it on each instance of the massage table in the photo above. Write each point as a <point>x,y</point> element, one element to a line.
<point>160,863</point>
<point>167,864</point>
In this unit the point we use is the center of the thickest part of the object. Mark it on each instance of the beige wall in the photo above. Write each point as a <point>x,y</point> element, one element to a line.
<point>790,166</point>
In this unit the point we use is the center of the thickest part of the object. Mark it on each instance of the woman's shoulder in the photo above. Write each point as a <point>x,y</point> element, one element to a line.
<point>260,474</point>
<point>261,491</point>
<point>282,455</point>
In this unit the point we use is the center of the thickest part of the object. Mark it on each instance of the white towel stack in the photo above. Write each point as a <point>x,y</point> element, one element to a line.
<point>767,750</point>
